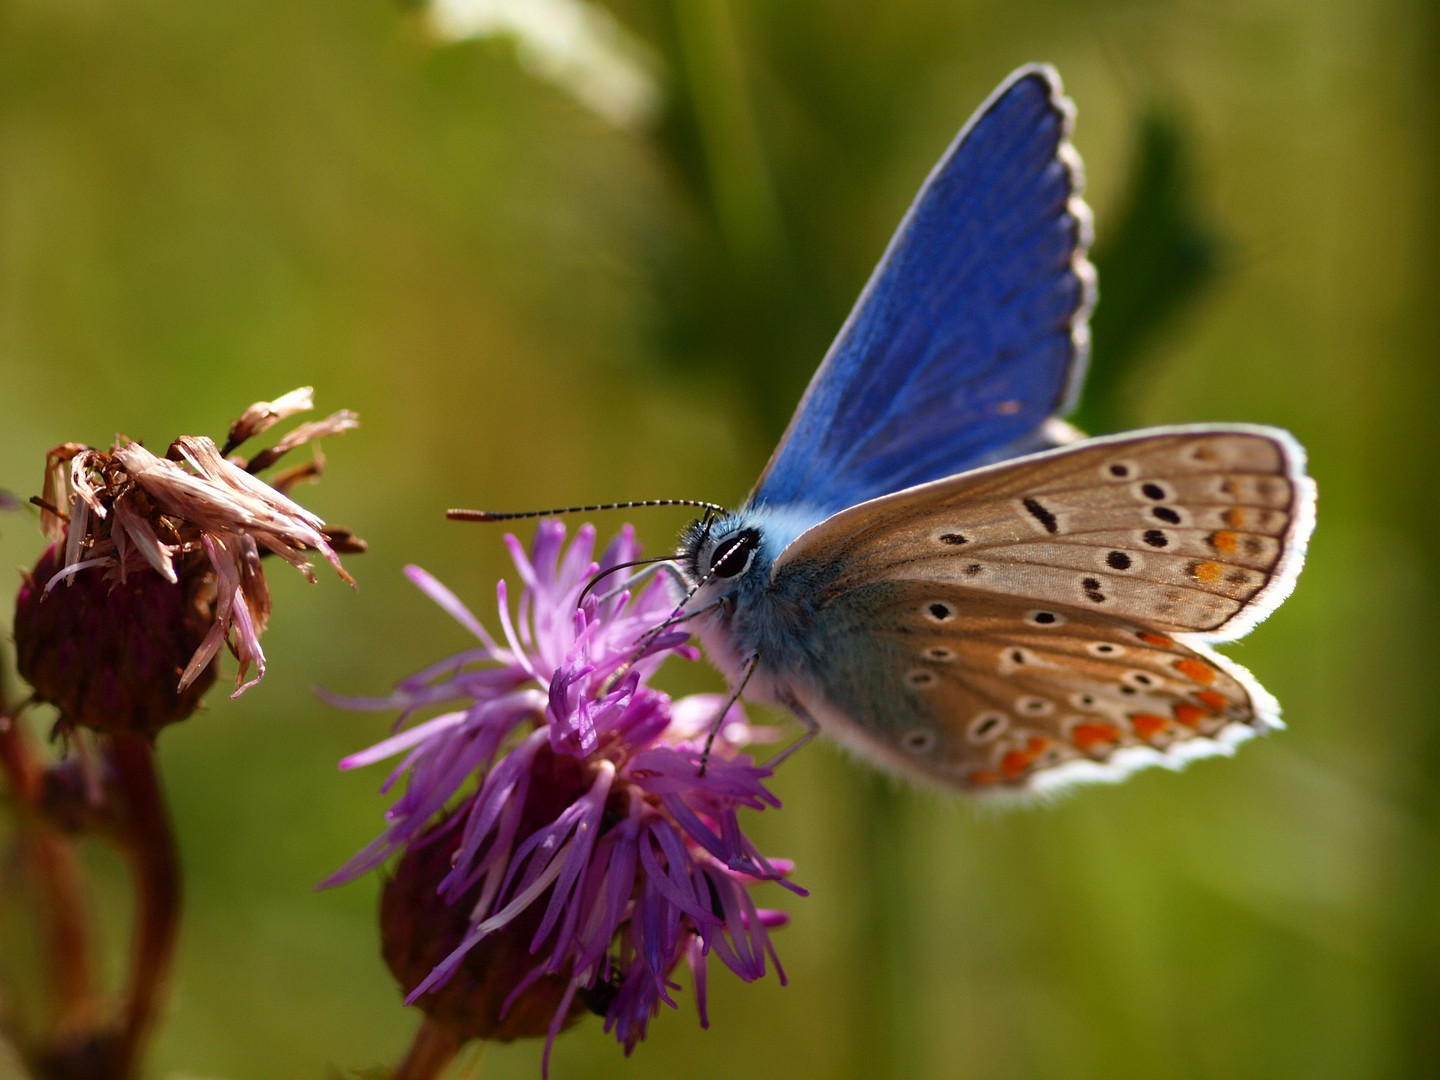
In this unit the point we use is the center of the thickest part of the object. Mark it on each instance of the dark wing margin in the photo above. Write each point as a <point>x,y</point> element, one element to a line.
<point>973,329</point>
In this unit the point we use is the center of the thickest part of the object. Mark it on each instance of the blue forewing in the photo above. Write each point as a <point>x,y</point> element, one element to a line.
<point>971,332</point>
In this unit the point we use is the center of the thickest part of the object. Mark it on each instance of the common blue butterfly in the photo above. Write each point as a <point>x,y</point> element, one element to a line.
<point>934,569</point>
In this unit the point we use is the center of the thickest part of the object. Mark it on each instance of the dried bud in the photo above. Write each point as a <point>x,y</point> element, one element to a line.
<point>419,928</point>
<point>264,415</point>
<point>156,566</point>
<point>109,654</point>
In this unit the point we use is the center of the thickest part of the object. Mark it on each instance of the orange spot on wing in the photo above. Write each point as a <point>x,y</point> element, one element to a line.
<point>1208,572</point>
<point>1014,764</point>
<point>1217,702</point>
<point>1160,641</point>
<point>1037,744</point>
<point>1195,670</point>
<point>1190,715</point>
<point>1088,736</point>
<point>1237,516</point>
<point>1148,725</point>
<point>984,777</point>
<point>1225,542</point>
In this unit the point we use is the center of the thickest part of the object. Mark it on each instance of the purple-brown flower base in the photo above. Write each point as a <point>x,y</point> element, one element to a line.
<point>419,928</point>
<point>108,653</point>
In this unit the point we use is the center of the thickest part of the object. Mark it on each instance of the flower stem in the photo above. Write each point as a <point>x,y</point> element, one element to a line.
<point>52,864</point>
<point>883,1032</point>
<point>435,1047</point>
<point>149,844</point>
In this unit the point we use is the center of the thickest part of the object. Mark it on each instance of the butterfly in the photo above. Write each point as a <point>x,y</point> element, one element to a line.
<point>936,570</point>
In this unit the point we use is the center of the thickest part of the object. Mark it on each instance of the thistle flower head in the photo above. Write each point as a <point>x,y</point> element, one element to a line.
<point>585,856</point>
<point>155,563</point>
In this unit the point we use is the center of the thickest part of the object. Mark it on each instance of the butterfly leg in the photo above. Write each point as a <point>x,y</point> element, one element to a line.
<point>678,616</point>
<point>812,727</point>
<point>725,710</point>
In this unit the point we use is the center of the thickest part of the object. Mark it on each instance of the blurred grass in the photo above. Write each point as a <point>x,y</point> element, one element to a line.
<point>202,206</point>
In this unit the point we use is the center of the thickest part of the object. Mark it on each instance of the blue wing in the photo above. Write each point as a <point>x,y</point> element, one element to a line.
<point>972,330</point>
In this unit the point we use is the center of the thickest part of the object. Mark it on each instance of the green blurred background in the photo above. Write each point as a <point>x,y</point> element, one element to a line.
<point>545,277</point>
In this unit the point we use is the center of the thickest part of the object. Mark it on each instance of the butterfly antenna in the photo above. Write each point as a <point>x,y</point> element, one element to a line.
<point>710,509</point>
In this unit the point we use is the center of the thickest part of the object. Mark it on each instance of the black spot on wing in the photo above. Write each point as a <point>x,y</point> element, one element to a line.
<point>1042,515</point>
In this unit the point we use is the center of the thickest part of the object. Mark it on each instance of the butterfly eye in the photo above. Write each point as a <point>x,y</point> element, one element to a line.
<point>732,555</point>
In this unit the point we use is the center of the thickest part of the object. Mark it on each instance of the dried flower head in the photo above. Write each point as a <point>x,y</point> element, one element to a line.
<point>554,815</point>
<point>155,563</point>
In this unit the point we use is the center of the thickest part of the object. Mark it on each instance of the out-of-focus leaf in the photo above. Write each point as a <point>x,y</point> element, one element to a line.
<point>1154,261</point>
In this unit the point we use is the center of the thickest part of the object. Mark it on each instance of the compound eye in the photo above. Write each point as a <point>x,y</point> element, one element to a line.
<point>733,554</point>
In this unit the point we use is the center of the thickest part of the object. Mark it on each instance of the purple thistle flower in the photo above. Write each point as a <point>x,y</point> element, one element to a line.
<point>585,852</point>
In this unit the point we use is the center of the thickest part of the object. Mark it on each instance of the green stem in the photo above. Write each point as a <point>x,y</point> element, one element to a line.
<point>434,1048</point>
<point>743,197</point>
<point>885,926</point>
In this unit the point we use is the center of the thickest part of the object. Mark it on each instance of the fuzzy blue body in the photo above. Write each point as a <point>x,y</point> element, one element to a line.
<point>751,614</point>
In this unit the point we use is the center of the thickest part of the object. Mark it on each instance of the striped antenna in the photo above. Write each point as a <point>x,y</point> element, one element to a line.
<point>491,515</point>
